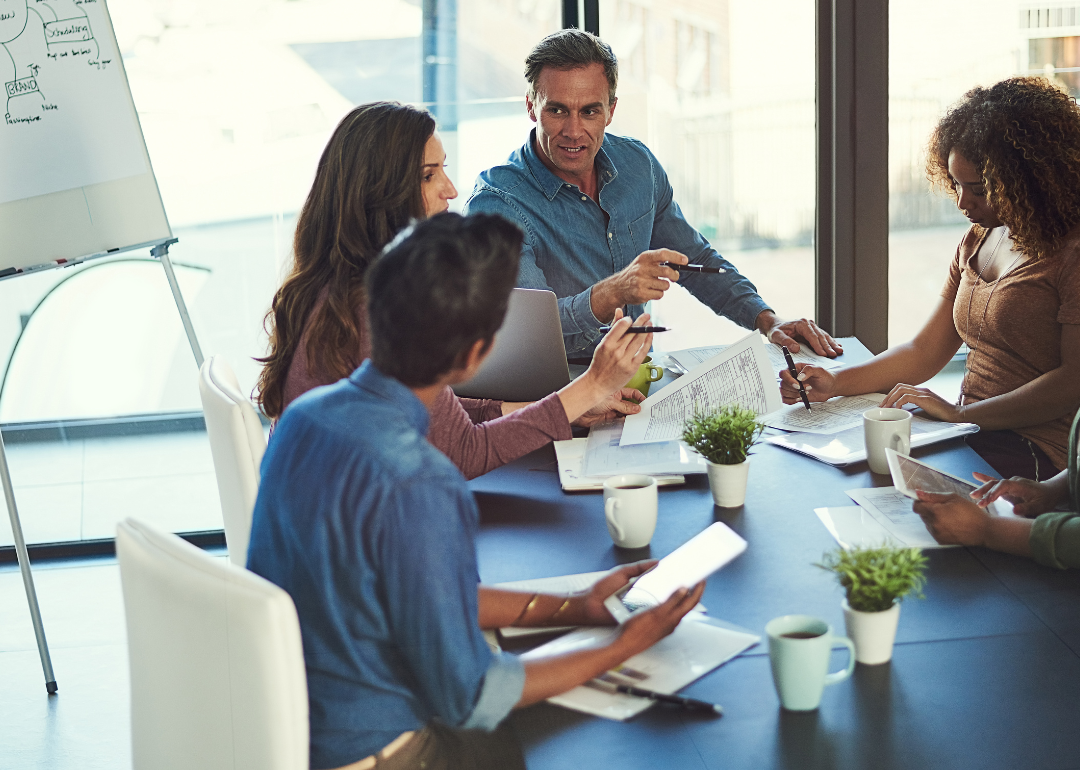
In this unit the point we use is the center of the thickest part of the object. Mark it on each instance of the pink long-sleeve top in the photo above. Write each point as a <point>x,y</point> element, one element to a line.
<point>473,433</point>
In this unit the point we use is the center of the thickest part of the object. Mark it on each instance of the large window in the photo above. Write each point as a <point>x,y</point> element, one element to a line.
<point>977,43</point>
<point>723,94</point>
<point>236,102</point>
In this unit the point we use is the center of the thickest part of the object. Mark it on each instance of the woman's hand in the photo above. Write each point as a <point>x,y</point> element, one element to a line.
<point>930,402</point>
<point>622,402</point>
<point>615,360</point>
<point>1029,498</point>
<point>593,609</point>
<point>820,384</point>
<point>647,627</point>
<point>951,519</point>
<point>618,356</point>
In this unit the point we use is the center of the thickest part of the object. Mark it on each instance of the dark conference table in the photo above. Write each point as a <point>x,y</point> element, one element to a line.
<point>985,673</point>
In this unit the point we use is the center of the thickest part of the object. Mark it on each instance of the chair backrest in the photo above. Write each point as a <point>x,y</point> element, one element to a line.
<point>237,444</point>
<point>217,666</point>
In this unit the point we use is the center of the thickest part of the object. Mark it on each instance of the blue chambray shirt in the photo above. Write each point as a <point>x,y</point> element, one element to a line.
<point>372,532</point>
<point>568,247</point>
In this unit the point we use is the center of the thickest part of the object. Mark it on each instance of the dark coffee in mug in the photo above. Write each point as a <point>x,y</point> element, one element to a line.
<point>633,486</point>
<point>800,635</point>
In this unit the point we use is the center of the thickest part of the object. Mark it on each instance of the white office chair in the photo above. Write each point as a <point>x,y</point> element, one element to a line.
<point>217,667</point>
<point>237,444</point>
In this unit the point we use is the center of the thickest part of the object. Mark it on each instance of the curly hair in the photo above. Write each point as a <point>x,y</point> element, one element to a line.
<point>1023,137</point>
<point>366,189</point>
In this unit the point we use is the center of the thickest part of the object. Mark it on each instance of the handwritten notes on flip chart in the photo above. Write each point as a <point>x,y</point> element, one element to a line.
<point>740,374</point>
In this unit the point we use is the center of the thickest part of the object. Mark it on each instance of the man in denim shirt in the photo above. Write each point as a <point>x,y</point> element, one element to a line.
<point>598,212</point>
<point>372,531</point>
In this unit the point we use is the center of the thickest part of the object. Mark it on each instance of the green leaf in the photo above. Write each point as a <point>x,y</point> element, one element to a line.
<point>723,436</point>
<point>875,578</point>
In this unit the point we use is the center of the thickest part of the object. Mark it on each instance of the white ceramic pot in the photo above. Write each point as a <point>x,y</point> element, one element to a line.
<point>872,632</point>
<point>728,483</point>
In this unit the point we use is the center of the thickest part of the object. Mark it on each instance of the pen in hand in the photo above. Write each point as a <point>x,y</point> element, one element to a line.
<point>693,268</point>
<point>795,373</point>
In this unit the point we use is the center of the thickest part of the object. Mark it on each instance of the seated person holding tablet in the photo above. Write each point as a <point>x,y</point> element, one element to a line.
<point>382,168</point>
<point>1051,537</point>
<point>372,532</point>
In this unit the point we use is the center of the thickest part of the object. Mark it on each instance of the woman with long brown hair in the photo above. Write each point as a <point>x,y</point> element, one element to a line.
<point>1009,155</point>
<point>383,167</point>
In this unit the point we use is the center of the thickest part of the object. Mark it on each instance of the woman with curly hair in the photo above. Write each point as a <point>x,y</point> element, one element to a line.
<point>382,168</point>
<point>1010,157</point>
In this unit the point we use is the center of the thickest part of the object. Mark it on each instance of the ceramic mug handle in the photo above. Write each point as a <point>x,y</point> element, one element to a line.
<point>901,444</point>
<point>609,513</point>
<point>656,373</point>
<point>840,676</point>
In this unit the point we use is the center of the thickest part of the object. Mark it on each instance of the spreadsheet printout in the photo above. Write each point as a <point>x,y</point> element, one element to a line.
<point>741,374</point>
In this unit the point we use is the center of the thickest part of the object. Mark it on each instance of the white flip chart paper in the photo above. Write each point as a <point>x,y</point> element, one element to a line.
<point>741,374</point>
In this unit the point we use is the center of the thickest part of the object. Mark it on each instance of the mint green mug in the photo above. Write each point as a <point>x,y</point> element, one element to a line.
<point>799,649</point>
<point>646,374</point>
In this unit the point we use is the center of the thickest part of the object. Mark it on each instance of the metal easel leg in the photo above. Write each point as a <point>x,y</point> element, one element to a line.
<point>24,566</point>
<point>162,252</point>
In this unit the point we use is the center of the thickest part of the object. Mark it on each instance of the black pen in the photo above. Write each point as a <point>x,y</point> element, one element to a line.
<point>795,373</point>
<point>637,329</point>
<point>690,704</point>
<point>7,271</point>
<point>693,268</point>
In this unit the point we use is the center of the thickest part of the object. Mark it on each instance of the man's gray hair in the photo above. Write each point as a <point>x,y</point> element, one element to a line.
<point>569,49</point>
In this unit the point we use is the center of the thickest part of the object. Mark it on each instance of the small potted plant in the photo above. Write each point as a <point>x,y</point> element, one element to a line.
<point>724,437</point>
<point>875,580</point>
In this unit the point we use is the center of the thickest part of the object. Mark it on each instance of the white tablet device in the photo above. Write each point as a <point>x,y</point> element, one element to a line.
<point>909,475</point>
<point>684,567</point>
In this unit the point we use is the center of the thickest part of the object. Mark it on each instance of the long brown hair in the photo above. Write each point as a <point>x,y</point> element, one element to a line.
<point>1023,137</point>
<point>366,189</point>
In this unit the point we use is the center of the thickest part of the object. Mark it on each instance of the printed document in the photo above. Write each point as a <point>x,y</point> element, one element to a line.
<point>849,446</point>
<point>830,416</point>
<point>692,650</point>
<point>891,508</point>
<point>741,374</point>
<point>604,456</point>
<point>691,357</point>
<point>570,455</point>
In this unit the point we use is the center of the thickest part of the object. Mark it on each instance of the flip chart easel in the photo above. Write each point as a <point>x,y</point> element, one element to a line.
<point>77,182</point>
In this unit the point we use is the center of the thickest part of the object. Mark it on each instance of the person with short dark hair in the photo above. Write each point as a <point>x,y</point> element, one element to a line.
<point>1009,156</point>
<point>382,168</point>
<point>372,532</point>
<point>598,211</point>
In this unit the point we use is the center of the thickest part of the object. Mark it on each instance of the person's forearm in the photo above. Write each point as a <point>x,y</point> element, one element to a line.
<point>1008,535</point>
<point>550,676</point>
<point>1045,398</point>
<point>605,300</point>
<point>512,406</point>
<point>906,363</point>
<point>581,395</point>
<point>500,608</point>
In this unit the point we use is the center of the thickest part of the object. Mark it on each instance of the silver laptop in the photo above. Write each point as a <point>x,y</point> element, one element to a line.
<point>528,361</point>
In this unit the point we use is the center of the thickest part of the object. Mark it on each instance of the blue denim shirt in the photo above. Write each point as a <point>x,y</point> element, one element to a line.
<point>569,246</point>
<point>372,532</point>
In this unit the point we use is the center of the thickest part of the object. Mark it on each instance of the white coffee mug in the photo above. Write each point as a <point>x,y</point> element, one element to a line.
<point>886,429</point>
<point>630,509</point>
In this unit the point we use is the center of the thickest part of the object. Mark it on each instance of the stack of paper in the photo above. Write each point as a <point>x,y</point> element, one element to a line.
<point>693,649</point>
<point>571,457</point>
<point>832,432</point>
<point>691,357</point>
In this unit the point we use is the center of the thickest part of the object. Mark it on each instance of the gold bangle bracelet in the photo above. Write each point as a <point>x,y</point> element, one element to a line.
<point>561,609</point>
<point>528,607</point>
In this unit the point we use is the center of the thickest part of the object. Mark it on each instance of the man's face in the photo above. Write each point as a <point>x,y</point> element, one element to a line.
<point>571,111</point>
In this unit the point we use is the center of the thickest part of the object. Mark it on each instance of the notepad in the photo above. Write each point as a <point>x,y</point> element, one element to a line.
<point>570,455</point>
<point>696,646</point>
